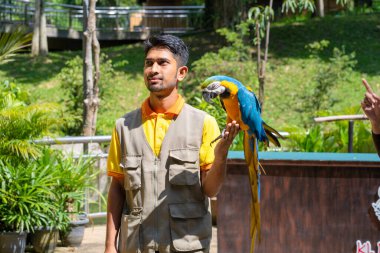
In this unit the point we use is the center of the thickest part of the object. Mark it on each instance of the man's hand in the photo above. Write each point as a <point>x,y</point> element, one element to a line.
<point>371,107</point>
<point>221,149</point>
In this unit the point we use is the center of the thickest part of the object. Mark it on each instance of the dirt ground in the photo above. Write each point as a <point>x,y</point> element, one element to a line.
<point>93,241</point>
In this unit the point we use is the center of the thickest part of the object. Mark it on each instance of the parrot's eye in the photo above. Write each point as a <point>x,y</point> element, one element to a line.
<point>226,93</point>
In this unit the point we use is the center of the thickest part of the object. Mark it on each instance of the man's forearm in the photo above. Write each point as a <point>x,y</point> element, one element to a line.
<point>214,178</point>
<point>116,198</point>
<point>375,127</point>
<point>376,141</point>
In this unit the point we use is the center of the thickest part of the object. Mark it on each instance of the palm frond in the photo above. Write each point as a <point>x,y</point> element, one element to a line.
<point>13,42</point>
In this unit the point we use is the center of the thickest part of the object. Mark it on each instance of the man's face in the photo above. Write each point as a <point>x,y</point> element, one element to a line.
<point>161,72</point>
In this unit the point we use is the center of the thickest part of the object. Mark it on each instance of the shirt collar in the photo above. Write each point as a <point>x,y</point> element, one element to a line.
<point>174,110</point>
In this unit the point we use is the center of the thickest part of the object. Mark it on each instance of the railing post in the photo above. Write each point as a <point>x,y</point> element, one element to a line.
<point>70,18</point>
<point>350,136</point>
<point>26,14</point>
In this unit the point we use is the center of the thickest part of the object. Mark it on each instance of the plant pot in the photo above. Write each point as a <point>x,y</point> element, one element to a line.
<point>45,240</point>
<point>12,242</point>
<point>74,236</point>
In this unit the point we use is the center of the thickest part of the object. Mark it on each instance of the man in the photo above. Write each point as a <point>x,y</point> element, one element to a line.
<point>371,108</point>
<point>162,163</point>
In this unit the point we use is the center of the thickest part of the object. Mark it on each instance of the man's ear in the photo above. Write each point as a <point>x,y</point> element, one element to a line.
<point>182,72</point>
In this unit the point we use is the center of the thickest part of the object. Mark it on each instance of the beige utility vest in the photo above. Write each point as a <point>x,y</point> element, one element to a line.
<point>165,208</point>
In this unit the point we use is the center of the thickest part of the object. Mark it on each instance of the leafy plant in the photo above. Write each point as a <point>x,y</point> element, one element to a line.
<point>21,122</point>
<point>233,60</point>
<point>76,175</point>
<point>313,139</point>
<point>13,42</point>
<point>330,136</point>
<point>26,199</point>
<point>71,78</point>
<point>318,96</point>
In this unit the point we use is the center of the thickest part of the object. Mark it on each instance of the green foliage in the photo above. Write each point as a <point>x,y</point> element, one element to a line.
<point>21,122</point>
<point>233,60</point>
<point>193,2</point>
<point>330,137</point>
<point>26,197</point>
<point>45,192</point>
<point>258,18</point>
<point>74,176</point>
<point>13,42</point>
<point>298,5</point>
<point>313,139</point>
<point>318,95</point>
<point>71,79</point>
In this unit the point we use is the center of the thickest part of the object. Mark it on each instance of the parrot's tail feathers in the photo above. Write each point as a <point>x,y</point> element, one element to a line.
<point>252,160</point>
<point>273,139</point>
<point>272,134</point>
<point>255,225</point>
<point>262,168</point>
<point>272,130</point>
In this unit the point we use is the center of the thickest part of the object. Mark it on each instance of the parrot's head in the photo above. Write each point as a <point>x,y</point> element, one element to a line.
<point>222,86</point>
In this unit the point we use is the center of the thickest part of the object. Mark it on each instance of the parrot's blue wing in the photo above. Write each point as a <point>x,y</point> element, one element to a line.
<point>251,113</point>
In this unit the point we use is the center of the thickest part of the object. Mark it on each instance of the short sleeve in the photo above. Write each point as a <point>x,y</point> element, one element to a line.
<point>210,132</point>
<point>113,161</point>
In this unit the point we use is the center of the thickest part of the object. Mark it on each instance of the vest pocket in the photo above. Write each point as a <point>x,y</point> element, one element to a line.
<point>184,167</point>
<point>132,172</point>
<point>129,241</point>
<point>190,226</point>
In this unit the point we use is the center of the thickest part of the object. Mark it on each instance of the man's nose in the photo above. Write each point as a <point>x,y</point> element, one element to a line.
<point>155,67</point>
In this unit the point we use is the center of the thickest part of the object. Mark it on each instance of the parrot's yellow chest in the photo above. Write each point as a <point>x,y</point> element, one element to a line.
<point>233,111</point>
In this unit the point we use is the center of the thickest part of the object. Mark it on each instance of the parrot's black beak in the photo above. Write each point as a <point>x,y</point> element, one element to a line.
<point>212,91</point>
<point>208,96</point>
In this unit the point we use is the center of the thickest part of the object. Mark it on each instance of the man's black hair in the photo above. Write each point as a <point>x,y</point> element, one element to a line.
<point>173,43</point>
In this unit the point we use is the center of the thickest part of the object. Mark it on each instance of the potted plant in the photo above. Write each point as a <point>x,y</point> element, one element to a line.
<point>77,175</point>
<point>25,202</point>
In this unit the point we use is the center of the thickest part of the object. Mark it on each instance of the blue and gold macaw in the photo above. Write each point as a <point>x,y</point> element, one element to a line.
<point>242,106</point>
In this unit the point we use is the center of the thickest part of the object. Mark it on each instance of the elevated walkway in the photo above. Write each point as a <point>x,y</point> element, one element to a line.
<point>113,23</point>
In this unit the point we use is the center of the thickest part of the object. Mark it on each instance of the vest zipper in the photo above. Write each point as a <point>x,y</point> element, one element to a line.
<point>155,202</point>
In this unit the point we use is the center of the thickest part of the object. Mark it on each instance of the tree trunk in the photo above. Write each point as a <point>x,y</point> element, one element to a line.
<point>90,82</point>
<point>43,36</point>
<point>39,41</point>
<point>262,66</point>
<point>321,8</point>
<point>36,29</point>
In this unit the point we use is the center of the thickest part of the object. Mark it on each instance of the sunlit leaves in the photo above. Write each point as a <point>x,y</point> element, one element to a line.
<point>12,43</point>
<point>297,5</point>
<point>21,122</point>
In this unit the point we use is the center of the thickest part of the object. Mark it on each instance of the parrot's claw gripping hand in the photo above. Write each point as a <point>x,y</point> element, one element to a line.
<point>219,137</point>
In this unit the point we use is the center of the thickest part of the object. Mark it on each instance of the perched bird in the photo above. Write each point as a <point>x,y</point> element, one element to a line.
<point>242,106</point>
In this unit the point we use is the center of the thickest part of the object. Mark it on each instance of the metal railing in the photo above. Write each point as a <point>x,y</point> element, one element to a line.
<point>93,204</point>
<point>351,119</point>
<point>129,19</point>
<point>85,142</point>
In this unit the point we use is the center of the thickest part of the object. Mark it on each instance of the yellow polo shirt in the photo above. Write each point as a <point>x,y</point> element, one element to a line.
<point>155,126</point>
